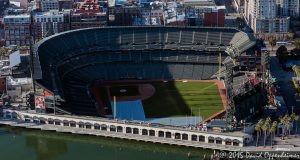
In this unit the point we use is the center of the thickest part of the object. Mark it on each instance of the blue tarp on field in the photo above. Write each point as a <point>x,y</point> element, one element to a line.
<point>133,110</point>
<point>130,110</point>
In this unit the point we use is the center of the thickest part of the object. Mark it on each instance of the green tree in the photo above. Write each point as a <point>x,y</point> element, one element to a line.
<point>282,121</point>
<point>288,126</point>
<point>265,128</point>
<point>3,51</point>
<point>295,118</point>
<point>258,129</point>
<point>297,43</point>
<point>272,131</point>
<point>272,42</point>
<point>286,122</point>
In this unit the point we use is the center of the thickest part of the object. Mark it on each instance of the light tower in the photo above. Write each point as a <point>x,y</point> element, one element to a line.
<point>220,63</point>
<point>230,107</point>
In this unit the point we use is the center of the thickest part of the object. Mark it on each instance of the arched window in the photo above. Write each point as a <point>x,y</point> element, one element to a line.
<point>128,130</point>
<point>72,124</point>
<point>103,127</point>
<point>168,135</point>
<point>151,133</point>
<point>135,131</point>
<point>80,124</point>
<point>65,122</point>
<point>201,138</point>
<point>235,142</point>
<point>43,120</point>
<point>194,137</point>
<point>97,126</point>
<point>57,121</point>
<point>218,140</point>
<point>88,125</point>
<point>144,132</point>
<point>50,121</point>
<point>119,129</point>
<point>161,134</point>
<point>177,136</point>
<point>228,141</point>
<point>185,136</point>
<point>211,139</point>
<point>112,128</point>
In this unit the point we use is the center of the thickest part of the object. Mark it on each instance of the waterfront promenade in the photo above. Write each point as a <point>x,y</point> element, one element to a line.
<point>230,141</point>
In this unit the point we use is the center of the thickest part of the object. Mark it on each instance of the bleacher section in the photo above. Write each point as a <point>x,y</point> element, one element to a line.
<point>239,43</point>
<point>79,57</point>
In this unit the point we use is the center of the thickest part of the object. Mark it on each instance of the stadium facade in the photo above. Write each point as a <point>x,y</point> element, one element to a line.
<point>67,63</point>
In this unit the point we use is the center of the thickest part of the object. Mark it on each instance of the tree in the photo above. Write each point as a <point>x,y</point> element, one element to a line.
<point>258,129</point>
<point>295,118</point>
<point>272,131</point>
<point>288,126</point>
<point>282,121</point>
<point>297,43</point>
<point>265,128</point>
<point>280,51</point>
<point>272,42</point>
<point>286,121</point>
<point>3,51</point>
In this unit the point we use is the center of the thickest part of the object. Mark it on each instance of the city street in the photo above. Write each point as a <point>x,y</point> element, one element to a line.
<point>284,81</point>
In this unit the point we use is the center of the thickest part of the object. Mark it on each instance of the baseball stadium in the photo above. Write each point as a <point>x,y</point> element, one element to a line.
<point>155,74</point>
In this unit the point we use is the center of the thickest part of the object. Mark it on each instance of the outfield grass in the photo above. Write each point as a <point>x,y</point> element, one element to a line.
<point>173,99</point>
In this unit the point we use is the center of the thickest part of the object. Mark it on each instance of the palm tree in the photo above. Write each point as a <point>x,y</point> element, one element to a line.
<point>272,42</point>
<point>282,121</point>
<point>258,129</point>
<point>296,118</point>
<point>272,131</point>
<point>265,128</point>
<point>288,126</point>
<point>286,121</point>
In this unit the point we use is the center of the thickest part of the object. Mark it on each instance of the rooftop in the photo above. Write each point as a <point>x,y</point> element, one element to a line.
<point>18,81</point>
<point>87,6</point>
<point>18,16</point>
<point>51,12</point>
<point>200,2</point>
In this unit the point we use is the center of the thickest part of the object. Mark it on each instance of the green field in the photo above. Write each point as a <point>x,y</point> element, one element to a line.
<point>173,99</point>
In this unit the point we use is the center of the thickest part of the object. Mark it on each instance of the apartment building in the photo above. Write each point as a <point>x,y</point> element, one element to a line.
<point>262,16</point>
<point>47,5</point>
<point>51,22</point>
<point>288,8</point>
<point>17,29</point>
<point>88,14</point>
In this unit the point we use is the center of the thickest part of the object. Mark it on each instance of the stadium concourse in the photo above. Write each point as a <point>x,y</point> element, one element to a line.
<point>69,63</point>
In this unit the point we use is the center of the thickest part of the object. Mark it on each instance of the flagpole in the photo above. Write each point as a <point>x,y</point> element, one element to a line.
<point>115,107</point>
